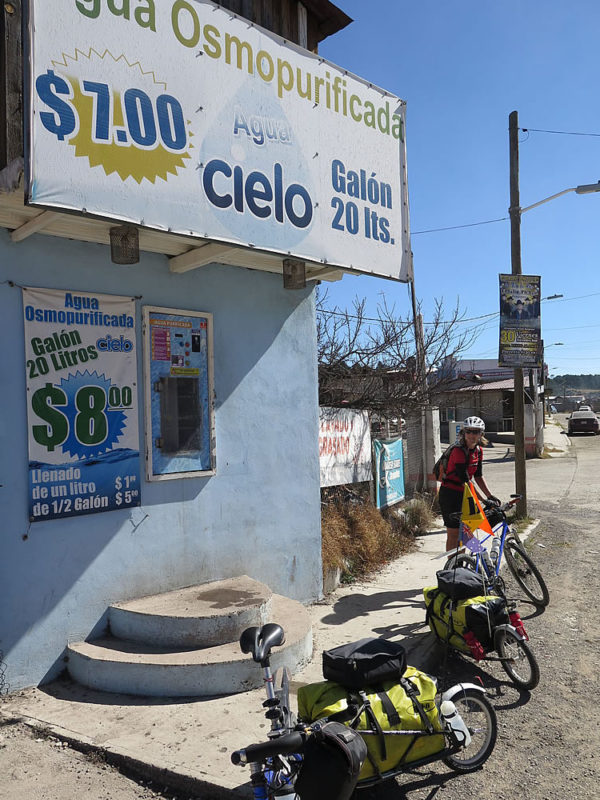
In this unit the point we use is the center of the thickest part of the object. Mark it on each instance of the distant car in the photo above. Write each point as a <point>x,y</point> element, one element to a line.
<point>584,422</point>
<point>584,408</point>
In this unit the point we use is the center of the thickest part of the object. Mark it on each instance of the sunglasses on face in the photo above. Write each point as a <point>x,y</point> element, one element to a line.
<point>473,431</point>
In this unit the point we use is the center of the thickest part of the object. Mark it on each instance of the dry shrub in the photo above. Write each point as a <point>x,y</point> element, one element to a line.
<point>419,515</point>
<point>369,533</point>
<point>359,539</point>
<point>334,536</point>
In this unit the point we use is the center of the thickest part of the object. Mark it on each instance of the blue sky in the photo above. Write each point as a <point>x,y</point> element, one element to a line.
<point>462,67</point>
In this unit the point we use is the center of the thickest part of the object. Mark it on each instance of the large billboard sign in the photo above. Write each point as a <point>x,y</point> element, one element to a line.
<point>180,116</point>
<point>520,321</point>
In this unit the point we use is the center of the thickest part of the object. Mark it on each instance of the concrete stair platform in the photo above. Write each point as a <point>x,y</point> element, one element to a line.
<point>136,667</point>
<point>197,616</point>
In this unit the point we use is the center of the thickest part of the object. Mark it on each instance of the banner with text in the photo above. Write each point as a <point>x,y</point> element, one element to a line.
<point>180,116</point>
<point>389,472</point>
<point>82,414</point>
<point>520,322</point>
<point>344,446</point>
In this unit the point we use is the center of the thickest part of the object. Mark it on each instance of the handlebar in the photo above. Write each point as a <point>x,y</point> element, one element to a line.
<point>280,745</point>
<point>489,505</point>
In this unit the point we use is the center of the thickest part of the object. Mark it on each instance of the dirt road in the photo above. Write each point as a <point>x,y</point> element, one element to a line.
<point>39,767</point>
<point>548,746</point>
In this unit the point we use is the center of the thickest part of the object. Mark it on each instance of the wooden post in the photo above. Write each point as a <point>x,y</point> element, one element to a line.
<point>294,274</point>
<point>11,83</point>
<point>515,252</point>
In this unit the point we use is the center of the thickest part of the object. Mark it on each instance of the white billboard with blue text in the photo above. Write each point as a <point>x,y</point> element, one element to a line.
<point>182,117</point>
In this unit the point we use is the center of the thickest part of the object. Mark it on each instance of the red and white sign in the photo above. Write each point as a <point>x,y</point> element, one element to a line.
<point>344,446</point>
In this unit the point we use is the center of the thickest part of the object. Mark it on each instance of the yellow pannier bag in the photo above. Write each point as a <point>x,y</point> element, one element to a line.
<point>317,700</point>
<point>480,615</point>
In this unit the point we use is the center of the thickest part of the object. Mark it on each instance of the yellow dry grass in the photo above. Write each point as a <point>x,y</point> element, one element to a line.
<point>358,539</point>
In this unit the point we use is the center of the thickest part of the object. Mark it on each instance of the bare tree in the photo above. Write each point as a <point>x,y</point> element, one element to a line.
<point>370,363</point>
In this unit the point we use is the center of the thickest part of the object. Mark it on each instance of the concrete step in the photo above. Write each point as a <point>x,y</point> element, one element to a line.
<point>198,616</point>
<point>115,665</point>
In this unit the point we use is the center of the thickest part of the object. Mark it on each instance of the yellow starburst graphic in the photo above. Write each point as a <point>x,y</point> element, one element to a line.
<point>120,134</point>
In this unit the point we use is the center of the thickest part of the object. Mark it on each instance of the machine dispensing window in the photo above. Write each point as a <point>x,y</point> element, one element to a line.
<point>180,415</point>
<point>178,382</point>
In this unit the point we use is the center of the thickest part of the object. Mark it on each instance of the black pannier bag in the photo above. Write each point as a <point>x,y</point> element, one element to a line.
<point>482,619</point>
<point>367,662</point>
<point>333,758</point>
<point>460,583</point>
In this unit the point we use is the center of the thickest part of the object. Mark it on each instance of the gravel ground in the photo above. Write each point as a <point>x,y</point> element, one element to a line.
<point>548,745</point>
<point>39,767</point>
<point>548,739</point>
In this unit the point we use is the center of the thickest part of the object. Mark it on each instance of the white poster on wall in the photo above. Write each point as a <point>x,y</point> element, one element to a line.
<point>180,116</point>
<point>344,446</point>
<point>82,414</point>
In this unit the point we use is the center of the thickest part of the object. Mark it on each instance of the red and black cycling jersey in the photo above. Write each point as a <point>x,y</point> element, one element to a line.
<point>461,468</point>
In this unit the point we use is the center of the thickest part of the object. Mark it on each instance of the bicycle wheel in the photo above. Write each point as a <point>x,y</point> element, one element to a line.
<point>461,560</point>
<point>526,574</point>
<point>480,718</point>
<point>522,668</point>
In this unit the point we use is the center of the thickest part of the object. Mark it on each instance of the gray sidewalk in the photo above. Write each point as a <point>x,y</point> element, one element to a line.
<point>187,744</point>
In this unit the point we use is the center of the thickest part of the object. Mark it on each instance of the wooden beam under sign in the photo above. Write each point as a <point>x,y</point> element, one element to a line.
<point>34,225</point>
<point>200,257</point>
<point>325,274</point>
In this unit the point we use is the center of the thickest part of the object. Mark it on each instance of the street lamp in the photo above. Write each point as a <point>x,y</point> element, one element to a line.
<point>515,211</point>
<point>586,188</point>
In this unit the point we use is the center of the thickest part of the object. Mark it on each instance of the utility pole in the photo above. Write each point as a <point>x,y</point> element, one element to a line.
<point>421,378</point>
<point>515,253</point>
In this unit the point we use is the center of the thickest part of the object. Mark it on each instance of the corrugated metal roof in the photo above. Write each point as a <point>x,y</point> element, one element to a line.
<point>507,383</point>
<point>492,386</point>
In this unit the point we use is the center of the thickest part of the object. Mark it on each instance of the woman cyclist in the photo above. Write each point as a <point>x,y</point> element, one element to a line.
<point>464,463</point>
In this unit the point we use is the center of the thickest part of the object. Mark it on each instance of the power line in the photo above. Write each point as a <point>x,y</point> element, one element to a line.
<point>408,322</point>
<point>456,227</point>
<point>561,133</point>
<point>487,316</point>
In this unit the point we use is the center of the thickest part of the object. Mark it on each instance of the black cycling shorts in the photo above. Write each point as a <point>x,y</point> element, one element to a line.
<point>450,502</point>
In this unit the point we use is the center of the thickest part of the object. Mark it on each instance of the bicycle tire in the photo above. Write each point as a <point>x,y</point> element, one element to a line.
<point>508,645</point>
<point>526,574</point>
<point>480,718</point>
<point>461,560</point>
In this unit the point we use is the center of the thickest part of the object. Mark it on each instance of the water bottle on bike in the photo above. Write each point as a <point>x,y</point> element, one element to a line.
<point>454,721</point>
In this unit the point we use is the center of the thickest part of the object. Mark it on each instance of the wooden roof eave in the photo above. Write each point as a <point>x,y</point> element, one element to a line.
<point>185,253</point>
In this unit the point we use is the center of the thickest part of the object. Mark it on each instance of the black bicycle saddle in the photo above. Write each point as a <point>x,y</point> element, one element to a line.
<point>259,641</point>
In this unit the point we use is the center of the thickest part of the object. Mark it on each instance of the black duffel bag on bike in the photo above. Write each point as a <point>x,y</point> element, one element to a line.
<point>333,758</point>
<point>367,662</point>
<point>460,583</point>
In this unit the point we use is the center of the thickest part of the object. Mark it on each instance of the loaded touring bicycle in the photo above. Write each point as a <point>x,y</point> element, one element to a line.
<point>373,718</point>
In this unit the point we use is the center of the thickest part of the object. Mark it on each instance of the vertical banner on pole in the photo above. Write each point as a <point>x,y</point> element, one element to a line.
<point>520,322</point>
<point>82,415</point>
<point>389,472</point>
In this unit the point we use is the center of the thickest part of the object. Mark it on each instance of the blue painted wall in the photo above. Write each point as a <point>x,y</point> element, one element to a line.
<point>259,515</point>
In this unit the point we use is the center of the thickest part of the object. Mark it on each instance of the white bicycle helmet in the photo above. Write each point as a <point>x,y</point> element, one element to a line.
<point>474,422</point>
